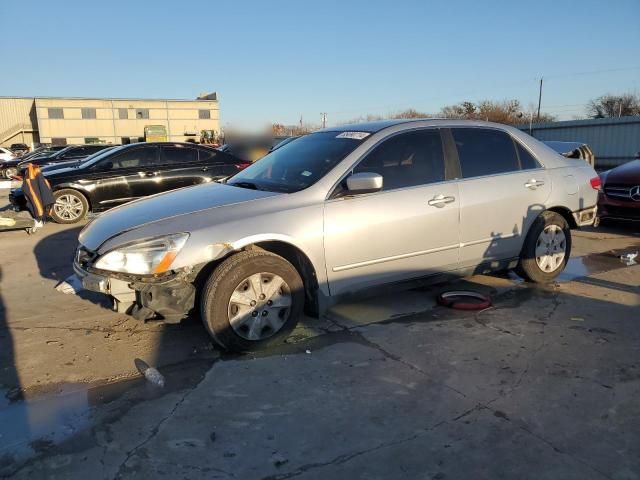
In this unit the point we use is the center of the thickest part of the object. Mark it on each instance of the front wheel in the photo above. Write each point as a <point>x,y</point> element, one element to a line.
<point>70,206</point>
<point>251,300</point>
<point>546,249</point>
<point>10,172</point>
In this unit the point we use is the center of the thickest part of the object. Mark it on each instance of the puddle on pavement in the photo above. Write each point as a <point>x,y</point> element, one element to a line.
<point>578,267</point>
<point>42,420</point>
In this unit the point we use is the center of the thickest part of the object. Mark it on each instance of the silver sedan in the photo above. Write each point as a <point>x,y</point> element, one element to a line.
<point>337,211</point>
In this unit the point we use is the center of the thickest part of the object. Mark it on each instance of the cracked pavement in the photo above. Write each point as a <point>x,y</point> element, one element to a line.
<point>544,384</point>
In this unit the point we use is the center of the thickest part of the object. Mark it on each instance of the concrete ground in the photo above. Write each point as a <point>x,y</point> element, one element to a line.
<point>544,384</point>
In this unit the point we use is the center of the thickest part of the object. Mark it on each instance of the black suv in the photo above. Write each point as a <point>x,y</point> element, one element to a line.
<point>127,172</point>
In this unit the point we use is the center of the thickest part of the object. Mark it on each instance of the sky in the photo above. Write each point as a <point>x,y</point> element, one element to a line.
<point>278,61</point>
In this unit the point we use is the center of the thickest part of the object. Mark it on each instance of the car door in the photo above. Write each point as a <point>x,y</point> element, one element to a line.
<point>502,191</point>
<point>179,166</point>
<point>407,230</point>
<point>127,175</point>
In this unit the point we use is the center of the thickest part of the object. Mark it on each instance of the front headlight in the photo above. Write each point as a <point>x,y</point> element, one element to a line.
<point>147,257</point>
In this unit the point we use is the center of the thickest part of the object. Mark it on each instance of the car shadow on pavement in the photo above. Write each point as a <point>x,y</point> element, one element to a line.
<point>54,254</point>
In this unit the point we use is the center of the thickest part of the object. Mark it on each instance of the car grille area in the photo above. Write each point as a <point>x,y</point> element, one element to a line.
<point>623,192</point>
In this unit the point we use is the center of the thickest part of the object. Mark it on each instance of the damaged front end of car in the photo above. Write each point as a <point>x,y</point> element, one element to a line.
<point>140,279</point>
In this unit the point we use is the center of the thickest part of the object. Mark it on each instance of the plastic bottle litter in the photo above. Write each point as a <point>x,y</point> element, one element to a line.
<point>70,285</point>
<point>629,258</point>
<point>152,375</point>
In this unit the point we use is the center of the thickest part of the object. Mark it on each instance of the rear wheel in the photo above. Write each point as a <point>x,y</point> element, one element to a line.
<point>70,206</point>
<point>546,249</point>
<point>252,300</point>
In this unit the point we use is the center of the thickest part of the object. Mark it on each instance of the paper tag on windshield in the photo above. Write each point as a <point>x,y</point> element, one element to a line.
<point>354,135</point>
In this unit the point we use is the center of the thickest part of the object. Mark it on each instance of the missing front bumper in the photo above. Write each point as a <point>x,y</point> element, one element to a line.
<point>171,300</point>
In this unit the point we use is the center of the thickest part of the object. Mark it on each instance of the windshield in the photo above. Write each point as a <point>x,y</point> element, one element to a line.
<point>298,164</point>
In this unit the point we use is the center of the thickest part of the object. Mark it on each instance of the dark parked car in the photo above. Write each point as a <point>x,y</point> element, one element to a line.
<point>19,149</point>
<point>9,168</point>
<point>73,152</point>
<point>620,195</point>
<point>128,172</point>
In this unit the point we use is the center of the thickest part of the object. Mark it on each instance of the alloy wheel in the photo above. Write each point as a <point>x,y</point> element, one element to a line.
<point>68,207</point>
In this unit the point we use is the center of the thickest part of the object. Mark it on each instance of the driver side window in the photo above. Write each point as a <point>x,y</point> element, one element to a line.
<point>407,160</point>
<point>145,157</point>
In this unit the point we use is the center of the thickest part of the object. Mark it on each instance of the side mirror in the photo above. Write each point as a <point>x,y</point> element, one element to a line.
<point>364,182</point>
<point>106,166</point>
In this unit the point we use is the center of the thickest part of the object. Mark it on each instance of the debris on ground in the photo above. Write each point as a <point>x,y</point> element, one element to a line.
<point>70,285</point>
<point>577,319</point>
<point>629,258</point>
<point>307,352</point>
<point>152,375</point>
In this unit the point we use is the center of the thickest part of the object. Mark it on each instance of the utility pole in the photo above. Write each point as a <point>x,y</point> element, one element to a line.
<point>539,100</point>
<point>323,117</point>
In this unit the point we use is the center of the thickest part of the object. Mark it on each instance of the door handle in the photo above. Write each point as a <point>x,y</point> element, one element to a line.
<point>205,169</point>
<point>440,201</point>
<point>533,184</point>
<point>150,174</point>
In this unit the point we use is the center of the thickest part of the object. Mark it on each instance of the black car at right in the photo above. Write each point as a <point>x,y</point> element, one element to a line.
<point>125,173</point>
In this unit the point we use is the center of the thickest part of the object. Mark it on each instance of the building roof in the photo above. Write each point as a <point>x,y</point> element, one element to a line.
<point>114,99</point>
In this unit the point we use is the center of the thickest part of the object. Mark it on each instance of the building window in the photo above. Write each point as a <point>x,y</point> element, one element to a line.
<point>142,113</point>
<point>88,112</point>
<point>92,140</point>
<point>56,113</point>
<point>204,114</point>
<point>58,141</point>
<point>123,113</point>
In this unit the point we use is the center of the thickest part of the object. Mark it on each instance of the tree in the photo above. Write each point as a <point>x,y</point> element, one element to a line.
<point>509,112</point>
<point>609,105</point>
<point>410,113</point>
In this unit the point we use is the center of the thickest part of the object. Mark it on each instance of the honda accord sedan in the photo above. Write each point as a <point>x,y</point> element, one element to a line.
<point>335,212</point>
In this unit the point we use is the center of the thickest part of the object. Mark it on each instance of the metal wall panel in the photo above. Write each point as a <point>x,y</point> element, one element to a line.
<point>613,140</point>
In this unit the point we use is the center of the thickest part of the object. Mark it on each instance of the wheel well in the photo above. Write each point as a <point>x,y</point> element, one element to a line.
<point>566,213</point>
<point>301,262</point>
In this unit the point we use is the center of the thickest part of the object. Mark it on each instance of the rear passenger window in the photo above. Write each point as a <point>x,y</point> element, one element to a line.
<point>527,162</point>
<point>134,158</point>
<point>209,155</point>
<point>178,154</point>
<point>406,160</point>
<point>485,151</point>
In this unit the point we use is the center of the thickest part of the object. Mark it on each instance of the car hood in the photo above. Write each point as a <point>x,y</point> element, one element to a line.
<point>626,174</point>
<point>164,206</point>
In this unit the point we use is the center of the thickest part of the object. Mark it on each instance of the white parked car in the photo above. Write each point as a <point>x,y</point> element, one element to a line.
<point>6,154</point>
<point>338,211</point>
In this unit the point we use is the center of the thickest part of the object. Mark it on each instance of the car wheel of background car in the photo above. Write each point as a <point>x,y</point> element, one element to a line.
<point>71,206</point>
<point>252,300</point>
<point>546,249</point>
<point>11,172</point>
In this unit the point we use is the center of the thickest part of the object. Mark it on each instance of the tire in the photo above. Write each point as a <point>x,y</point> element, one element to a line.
<point>10,172</point>
<point>77,203</point>
<point>533,267</point>
<point>248,277</point>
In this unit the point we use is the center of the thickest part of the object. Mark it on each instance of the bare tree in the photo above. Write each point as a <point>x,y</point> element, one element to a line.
<point>509,112</point>
<point>609,105</point>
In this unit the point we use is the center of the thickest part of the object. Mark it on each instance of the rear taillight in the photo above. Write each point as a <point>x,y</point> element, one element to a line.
<point>242,166</point>
<point>596,183</point>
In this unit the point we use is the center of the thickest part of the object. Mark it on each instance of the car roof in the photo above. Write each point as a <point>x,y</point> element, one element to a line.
<point>374,127</point>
